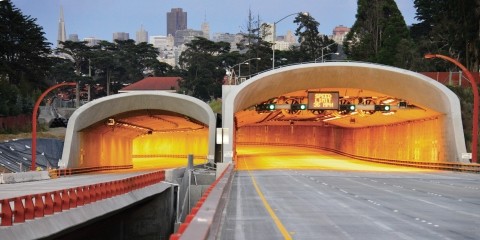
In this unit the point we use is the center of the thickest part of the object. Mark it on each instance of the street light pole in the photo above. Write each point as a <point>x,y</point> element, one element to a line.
<point>246,62</point>
<point>471,79</point>
<point>274,34</point>
<point>325,48</point>
<point>240,75</point>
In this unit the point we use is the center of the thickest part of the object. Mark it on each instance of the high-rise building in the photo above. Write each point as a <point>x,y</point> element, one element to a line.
<point>141,36</point>
<point>62,34</point>
<point>122,36</point>
<point>163,43</point>
<point>186,36</point>
<point>73,37</point>
<point>91,41</point>
<point>339,33</point>
<point>206,28</point>
<point>176,20</point>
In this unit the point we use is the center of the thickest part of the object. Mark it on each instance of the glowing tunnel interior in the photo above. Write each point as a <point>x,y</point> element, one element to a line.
<point>146,130</point>
<point>426,128</point>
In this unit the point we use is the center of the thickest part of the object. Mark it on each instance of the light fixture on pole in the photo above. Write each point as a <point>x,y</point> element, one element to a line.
<point>246,62</point>
<point>239,74</point>
<point>326,48</point>
<point>471,79</point>
<point>326,55</point>
<point>274,34</point>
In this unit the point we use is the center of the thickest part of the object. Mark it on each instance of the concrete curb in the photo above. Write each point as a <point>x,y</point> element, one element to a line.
<point>23,177</point>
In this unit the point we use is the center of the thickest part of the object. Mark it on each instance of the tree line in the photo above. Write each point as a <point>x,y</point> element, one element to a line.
<point>379,35</point>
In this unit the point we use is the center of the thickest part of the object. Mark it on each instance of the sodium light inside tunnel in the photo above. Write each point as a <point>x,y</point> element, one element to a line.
<point>169,149</point>
<point>286,157</point>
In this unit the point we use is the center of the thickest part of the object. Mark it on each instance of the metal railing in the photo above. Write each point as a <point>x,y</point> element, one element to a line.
<point>19,209</point>
<point>72,171</point>
<point>199,223</point>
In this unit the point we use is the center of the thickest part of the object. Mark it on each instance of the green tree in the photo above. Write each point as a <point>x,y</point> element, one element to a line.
<point>202,61</point>
<point>23,48</point>
<point>310,39</point>
<point>78,53</point>
<point>24,61</point>
<point>377,33</point>
<point>449,27</point>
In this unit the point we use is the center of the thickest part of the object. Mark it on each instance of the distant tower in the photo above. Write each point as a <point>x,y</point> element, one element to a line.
<point>206,28</point>
<point>141,36</point>
<point>62,34</point>
<point>176,20</point>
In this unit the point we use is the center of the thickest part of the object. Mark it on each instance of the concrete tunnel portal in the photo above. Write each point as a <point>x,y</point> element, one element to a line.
<point>128,128</point>
<point>144,129</point>
<point>427,129</point>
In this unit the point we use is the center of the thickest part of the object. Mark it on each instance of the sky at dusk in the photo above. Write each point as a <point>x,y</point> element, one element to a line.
<point>100,18</point>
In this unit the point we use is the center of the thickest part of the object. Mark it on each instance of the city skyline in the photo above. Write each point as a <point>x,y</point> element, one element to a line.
<point>101,18</point>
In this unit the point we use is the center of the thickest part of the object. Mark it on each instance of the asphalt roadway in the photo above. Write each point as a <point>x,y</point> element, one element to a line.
<point>287,194</point>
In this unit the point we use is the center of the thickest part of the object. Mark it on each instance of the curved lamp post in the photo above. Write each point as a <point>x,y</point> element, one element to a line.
<point>471,79</point>
<point>274,34</point>
<point>34,119</point>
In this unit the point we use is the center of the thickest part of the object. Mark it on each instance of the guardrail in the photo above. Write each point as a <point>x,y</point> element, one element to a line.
<point>72,171</point>
<point>199,224</point>
<point>19,209</point>
<point>448,166</point>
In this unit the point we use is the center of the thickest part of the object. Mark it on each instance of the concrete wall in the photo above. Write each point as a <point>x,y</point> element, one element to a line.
<point>105,149</point>
<point>416,141</point>
<point>146,213</point>
<point>151,219</point>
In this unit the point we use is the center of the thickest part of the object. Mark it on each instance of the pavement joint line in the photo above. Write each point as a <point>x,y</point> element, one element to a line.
<point>269,209</point>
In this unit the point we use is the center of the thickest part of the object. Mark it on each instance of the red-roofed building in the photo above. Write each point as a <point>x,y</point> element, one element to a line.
<point>168,84</point>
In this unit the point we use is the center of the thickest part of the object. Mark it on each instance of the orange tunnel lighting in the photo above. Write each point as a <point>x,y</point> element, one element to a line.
<point>169,150</point>
<point>285,157</point>
<point>422,141</point>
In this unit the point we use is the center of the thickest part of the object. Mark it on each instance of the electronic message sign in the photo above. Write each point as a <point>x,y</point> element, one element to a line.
<point>323,100</point>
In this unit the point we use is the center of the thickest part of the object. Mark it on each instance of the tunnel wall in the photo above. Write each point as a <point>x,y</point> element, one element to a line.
<point>105,149</point>
<point>415,141</point>
<point>195,143</point>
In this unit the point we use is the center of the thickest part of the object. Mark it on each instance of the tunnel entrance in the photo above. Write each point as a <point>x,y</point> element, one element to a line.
<point>364,123</point>
<point>421,124</point>
<point>145,138</point>
<point>144,129</point>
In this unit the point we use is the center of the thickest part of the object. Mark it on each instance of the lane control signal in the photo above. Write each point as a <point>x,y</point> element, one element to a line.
<point>298,107</point>
<point>383,108</point>
<point>347,107</point>
<point>265,107</point>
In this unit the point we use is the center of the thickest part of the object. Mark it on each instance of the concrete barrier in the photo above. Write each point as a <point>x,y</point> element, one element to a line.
<point>23,177</point>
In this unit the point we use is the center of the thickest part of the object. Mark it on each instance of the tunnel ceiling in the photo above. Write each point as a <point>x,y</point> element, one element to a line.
<point>355,119</point>
<point>141,122</point>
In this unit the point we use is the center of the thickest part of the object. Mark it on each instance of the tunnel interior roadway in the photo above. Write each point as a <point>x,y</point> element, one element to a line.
<point>423,124</point>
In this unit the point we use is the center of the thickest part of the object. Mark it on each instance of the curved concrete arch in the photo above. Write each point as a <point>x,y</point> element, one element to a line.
<point>415,87</point>
<point>105,107</point>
